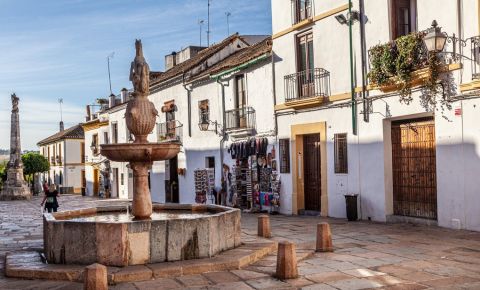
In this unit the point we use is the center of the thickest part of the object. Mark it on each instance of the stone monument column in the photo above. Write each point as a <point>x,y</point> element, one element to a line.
<point>15,187</point>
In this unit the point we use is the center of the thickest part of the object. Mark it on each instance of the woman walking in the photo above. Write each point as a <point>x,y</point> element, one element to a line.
<point>50,199</point>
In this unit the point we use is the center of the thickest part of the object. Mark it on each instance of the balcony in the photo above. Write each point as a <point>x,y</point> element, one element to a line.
<point>52,160</point>
<point>240,120</point>
<point>308,84</point>
<point>59,160</point>
<point>170,131</point>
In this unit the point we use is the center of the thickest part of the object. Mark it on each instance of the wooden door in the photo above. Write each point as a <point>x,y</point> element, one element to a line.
<point>116,191</point>
<point>172,190</point>
<point>96,177</point>
<point>311,169</point>
<point>414,168</point>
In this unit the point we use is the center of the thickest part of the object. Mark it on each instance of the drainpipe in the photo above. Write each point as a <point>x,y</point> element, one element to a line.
<point>274,91</point>
<point>352,84</point>
<point>363,46</point>
<point>222,141</point>
<point>189,101</point>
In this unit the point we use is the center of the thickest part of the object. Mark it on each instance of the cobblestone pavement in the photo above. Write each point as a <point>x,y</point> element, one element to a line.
<point>367,255</point>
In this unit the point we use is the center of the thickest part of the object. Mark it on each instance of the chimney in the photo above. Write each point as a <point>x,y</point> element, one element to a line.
<point>61,126</point>
<point>170,60</point>
<point>111,101</point>
<point>124,95</point>
<point>87,118</point>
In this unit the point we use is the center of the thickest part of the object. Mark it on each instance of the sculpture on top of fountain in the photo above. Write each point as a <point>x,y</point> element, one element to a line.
<point>139,71</point>
<point>140,114</point>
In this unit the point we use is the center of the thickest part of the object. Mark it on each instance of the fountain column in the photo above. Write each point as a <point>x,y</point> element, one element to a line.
<point>142,201</point>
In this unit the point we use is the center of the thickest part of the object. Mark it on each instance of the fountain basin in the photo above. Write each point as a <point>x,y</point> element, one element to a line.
<point>140,152</point>
<point>96,235</point>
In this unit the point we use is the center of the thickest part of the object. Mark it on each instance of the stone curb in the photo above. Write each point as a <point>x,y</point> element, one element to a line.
<point>28,265</point>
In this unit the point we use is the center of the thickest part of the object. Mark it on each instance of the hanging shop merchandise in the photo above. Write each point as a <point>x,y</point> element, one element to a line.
<point>254,184</point>
<point>204,185</point>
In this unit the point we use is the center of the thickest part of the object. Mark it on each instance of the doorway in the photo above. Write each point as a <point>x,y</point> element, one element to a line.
<point>171,185</point>
<point>116,190</point>
<point>311,169</point>
<point>414,168</point>
<point>96,177</point>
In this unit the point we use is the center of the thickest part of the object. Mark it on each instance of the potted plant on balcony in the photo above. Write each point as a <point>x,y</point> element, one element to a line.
<point>403,64</point>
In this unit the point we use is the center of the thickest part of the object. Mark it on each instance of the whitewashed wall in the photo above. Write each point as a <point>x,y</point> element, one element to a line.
<point>369,153</point>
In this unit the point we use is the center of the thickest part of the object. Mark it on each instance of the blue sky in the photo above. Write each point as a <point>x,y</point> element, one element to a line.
<point>53,49</point>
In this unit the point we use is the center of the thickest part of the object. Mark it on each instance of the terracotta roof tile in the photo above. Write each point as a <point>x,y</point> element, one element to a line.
<point>75,132</point>
<point>240,57</point>
<point>194,61</point>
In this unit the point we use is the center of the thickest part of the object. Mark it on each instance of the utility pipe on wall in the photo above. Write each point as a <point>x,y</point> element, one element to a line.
<point>352,84</point>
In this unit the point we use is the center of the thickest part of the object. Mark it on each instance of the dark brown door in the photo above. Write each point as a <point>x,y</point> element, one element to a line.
<point>172,190</point>
<point>311,153</point>
<point>414,168</point>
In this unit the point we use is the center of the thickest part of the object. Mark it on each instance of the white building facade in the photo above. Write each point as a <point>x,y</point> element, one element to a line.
<point>209,102</point>
<point>404,161</point>
<point>64,152</point>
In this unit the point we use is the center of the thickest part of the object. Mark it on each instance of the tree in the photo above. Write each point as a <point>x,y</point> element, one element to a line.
<point>34,163</point>
<point>3,172</point>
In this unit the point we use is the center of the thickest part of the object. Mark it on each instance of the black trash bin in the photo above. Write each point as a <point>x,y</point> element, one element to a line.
<point>352,211</point>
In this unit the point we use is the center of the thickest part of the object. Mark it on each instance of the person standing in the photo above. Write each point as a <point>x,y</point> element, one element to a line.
<point>50,199</point>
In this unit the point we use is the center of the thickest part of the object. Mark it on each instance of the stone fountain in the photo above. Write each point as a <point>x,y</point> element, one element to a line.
<point>151,234</point>
<point>140,116</point>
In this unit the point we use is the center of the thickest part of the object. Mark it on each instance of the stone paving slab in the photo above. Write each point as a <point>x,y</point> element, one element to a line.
<point>367,254</point>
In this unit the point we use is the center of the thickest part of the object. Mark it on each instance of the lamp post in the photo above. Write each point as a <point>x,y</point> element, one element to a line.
<point>435,39</point>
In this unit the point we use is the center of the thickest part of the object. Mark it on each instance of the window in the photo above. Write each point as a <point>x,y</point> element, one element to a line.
<point>204,112</point>
<point>210,162</point>
<point>105,137</point>
<point>239,114</point>
<point>94,145</point>
<point>341,160</point>
<point>114,133</point>
<point>82,152</point>
<point>240,96</point>
<point>284,147</point>
<point>302,10</point>
<point>403,17</point>
<point>305,66</point>
<point>305,52</point>
<point>122,176</point>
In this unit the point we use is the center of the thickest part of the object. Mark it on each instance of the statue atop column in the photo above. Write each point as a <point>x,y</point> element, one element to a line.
<point>15,187</point>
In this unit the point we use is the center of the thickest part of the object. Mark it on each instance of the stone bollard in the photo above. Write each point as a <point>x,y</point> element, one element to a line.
<point>264,226</point>
<point>286,261</point>
<point>324,238</point>
<point>95,277</point>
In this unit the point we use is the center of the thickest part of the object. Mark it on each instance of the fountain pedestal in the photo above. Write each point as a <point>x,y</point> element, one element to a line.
<point>142,201</point>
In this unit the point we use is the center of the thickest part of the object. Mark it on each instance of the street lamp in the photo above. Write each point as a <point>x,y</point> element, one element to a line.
<point>435,39</point>
<point>203,125</point>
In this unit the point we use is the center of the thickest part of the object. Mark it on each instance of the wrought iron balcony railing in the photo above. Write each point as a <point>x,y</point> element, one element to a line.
<point>475,58</point>
<point>307,84</point>
<point>170,131</point>
<point>241,118</point>
<point>52,160</point>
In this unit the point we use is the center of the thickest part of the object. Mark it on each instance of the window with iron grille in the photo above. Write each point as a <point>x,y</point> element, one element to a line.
<point>341,160</point>
<point>284,147</point>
